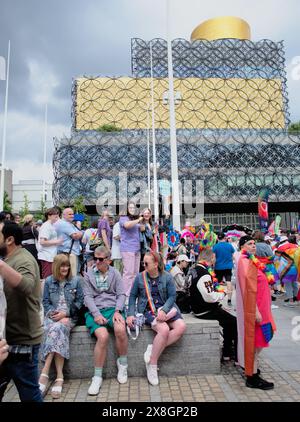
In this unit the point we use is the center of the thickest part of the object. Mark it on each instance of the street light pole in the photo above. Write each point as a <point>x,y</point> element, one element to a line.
<point>45,152</point>
<point>4,133</point>
<point>173,142</point>
<point>148,156</point>
<point>155,190</point>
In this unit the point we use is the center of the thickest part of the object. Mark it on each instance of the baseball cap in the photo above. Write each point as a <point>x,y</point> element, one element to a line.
<point>283,239</point>
<point>183,258</point>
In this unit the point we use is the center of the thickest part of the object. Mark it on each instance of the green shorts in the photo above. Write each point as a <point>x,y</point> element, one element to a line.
<point>107,313</point>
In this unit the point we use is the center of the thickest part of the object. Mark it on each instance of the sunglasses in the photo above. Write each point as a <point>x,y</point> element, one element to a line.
<point>145,264</point>
<point>99,259</point>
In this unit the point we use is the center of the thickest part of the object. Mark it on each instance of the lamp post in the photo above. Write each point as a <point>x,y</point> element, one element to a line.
<point>45,152</point>
<point>173,142</point>
<point>155,189</point>
<point>4,133</point>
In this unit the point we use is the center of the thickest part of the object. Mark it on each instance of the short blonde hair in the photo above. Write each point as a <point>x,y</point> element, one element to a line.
<point>28,218</point>
<point>58,261</point>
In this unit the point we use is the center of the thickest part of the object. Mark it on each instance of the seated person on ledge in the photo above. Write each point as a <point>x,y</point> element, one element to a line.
<point>104,296</point>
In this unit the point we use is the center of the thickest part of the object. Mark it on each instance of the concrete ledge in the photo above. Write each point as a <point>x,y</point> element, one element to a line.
<point>198,351</point>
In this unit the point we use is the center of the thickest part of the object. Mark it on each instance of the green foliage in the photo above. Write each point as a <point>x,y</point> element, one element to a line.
<point>294,128</point>
<point>78,205</point>
<point>7,203</point>
<point>108,128</point>
<point>25,209</point>
<point>79,208</point>
<point>39,215</point>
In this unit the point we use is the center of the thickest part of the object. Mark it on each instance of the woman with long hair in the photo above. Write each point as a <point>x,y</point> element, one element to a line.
<point>104,229</point>
<point>130,246</point>
<point>146,234</point>
<point>63,298</point>
<point>155,291</point>
<point>30,235</point>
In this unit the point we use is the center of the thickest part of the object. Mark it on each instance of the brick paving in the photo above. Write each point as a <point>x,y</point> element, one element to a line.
<point>279,364</point>
<point>228,386</point>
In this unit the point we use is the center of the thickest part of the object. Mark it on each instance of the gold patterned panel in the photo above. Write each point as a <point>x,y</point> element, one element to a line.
<point>222,27</point>
<point>211,103</point>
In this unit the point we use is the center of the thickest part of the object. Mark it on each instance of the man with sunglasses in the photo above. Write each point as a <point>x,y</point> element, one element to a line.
<point>104,295</point>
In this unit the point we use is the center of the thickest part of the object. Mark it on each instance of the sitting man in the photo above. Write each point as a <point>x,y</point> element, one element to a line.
<point>182,291</point>
<point>205,301</point>
<point>104,295</point>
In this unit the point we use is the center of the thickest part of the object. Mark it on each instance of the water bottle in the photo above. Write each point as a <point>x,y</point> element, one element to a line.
<point>3,307</point>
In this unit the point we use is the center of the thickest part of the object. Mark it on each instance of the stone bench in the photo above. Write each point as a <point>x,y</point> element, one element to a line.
<point>198,351</point>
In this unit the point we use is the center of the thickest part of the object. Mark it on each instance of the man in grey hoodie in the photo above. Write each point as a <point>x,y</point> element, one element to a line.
<point>104,296</point>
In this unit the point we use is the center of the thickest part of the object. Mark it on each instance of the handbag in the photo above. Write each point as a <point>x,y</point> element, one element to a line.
<point>95,241</point>
<point>139,321</point>
<point>267,331</point>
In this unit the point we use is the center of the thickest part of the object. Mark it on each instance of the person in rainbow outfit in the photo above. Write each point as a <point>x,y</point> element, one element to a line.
<point>253,306</point>
<point>287,263</point>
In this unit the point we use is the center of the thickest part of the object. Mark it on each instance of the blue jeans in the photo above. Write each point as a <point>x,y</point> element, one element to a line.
<point>291,289</point>
<point>23,370</point>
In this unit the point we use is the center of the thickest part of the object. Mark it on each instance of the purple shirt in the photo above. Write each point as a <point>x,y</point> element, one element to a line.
<point>130,238</point>
<point>104,225</point>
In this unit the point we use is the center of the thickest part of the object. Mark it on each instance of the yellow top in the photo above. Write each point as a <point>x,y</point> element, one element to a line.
<point>222,27</point>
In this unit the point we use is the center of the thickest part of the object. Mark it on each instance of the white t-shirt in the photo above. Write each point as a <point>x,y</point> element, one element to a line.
<point>48,232</point>
<point>115,248</point>
<point>86,239</point>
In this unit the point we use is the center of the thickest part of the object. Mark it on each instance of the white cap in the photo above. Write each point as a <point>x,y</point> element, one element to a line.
<point>283,238</point>
<point>183,258</point>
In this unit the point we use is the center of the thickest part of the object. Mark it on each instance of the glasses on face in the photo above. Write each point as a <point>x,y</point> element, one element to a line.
<point>96,259</point>
<point>65,266</point>
<point>145,264</point>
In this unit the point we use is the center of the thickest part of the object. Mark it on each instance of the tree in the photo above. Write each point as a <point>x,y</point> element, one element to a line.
<point>79,208</point>
<point>7,203</point>
<point>40,214</point>
<point>294,128</point>
<point>108,128</point>
<point>25,209</point>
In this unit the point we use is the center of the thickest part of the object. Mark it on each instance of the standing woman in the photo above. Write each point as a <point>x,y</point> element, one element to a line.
<point>63,298</point>
<point>104,229</point>
<point>156,293</point>
<point>146,234</point>
<point>130,245</point>
<point>30,235</point>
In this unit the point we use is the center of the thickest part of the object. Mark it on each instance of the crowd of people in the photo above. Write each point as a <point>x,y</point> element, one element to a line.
<point>127,271</point>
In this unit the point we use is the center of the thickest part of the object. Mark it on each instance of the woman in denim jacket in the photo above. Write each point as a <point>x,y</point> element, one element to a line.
<point>63,298</point>
<point>155,292</point>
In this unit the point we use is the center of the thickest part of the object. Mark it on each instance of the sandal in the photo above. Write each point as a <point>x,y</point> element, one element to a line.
<point>43,386</point>
<point>57,389</point>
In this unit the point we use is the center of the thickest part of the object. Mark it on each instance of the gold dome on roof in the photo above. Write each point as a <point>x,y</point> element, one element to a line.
<point>222,27</point>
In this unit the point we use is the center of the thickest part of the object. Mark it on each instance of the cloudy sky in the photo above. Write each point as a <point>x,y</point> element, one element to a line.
<point>53,41</point>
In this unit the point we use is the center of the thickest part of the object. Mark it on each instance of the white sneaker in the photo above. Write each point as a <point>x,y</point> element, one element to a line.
<point>290,304</point>
<point>122,372</point>
<point>95,386</point>
<point>274,306</point>
<point>152,374</point>
<point>147,354</point>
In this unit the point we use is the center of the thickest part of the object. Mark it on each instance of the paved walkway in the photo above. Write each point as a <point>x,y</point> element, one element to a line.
<point>279,364</point>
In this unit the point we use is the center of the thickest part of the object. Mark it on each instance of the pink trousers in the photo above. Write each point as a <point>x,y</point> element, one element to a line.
<point>131,266</point>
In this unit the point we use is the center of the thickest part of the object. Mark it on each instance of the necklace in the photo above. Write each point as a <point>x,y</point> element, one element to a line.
<point>217,286</point>
<point>266,267</point>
